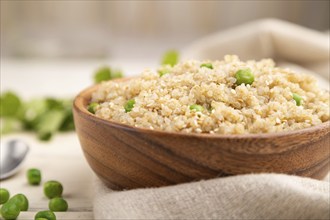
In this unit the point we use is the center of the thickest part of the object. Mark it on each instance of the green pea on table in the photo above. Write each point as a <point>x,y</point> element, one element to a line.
<point>58,205</point>
<point>4,195</point>
<point>21,201</point>
<point>33,176</point>
<point>10,210</point>
<point>49,215</point>
<point>53,189</point>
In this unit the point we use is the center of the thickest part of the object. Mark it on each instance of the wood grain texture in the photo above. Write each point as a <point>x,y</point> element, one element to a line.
<point>125,157</point>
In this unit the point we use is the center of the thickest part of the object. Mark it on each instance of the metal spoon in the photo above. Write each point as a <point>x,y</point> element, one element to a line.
<point>12,155</point>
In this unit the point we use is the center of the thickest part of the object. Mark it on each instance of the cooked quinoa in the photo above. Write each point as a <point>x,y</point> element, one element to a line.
<point>166,99</point>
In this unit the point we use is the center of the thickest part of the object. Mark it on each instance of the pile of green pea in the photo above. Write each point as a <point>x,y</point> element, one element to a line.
<point>11,207</point>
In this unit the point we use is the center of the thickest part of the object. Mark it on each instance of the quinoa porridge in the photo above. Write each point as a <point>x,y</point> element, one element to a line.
<point>223,97</point>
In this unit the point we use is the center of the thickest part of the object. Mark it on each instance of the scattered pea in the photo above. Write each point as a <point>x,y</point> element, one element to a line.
<point>21,201</point>
<point>10,104</point>
<point>53,189</point>
<point>106,73</point>
<point>4,195</point>
<point>197,108</point>
<point>244,76</point>
<point>129,105</point>
<point>102,74</point>
<point>297,98</point>
<point>207,65</point>
<point>92,107</point>
<point>33,176</point>
<point>10,210</point>
<point>58,205</point>
<point>49,215</point>
<point>45,136</point>
<point>170,57</point>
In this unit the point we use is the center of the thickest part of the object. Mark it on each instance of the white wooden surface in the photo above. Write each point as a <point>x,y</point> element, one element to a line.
<point>60,159</point>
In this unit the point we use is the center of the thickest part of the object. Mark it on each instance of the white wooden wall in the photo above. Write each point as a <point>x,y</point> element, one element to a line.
<point>112,28</point>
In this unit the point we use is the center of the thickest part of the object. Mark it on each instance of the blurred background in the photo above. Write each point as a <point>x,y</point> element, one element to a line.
<point>134,29</point>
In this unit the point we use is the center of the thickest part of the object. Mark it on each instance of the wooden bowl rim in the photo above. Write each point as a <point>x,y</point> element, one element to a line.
<point>80,108</point>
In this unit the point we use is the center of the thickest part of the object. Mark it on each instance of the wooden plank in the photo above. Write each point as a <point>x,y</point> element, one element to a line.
<point>60,215</point>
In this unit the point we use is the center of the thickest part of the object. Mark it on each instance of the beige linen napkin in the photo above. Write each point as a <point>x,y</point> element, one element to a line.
<point>255,196</point>
<point>280,40</point>
<point>260,196</point>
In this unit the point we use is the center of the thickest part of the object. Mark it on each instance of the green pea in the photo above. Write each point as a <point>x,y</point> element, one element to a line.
<point>102,74</point>
<point>170,57</point>
<point>10,210</point>
<point>53,189</point>
<point>244,76</point>
<point>197,108</point>
<point>106,73</point>
<point>129,105</point>
<point>10,104</point>
<point>45,136</point>
<point>297,98</point>
<point>4,195</point>
<point>41,219</point>
<point>92,107</point>
<point>49,215</point>
<point>21,201</point>
<point>58,205</point>
<point>207,65</point>
<point>33,176</point>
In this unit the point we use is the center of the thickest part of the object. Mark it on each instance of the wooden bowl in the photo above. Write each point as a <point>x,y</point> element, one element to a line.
<point>125,157</point>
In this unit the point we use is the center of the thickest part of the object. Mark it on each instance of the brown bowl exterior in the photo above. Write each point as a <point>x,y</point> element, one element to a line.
<point>124,157</point>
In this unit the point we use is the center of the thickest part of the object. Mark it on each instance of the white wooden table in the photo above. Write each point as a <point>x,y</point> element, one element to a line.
<point>60,159</point>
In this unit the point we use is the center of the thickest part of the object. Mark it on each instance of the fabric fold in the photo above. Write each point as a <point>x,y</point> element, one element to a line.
<point>255,196</point>
<point>269,38</point>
